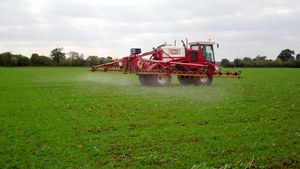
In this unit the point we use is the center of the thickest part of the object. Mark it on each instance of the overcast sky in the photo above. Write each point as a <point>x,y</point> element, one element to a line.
<point>111,27</point>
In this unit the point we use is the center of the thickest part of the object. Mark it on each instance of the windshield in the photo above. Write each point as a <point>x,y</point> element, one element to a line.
<point>208,53</point>
<point>194,47</point>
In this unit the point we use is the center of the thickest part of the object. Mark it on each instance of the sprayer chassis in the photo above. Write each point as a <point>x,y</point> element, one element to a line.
<point>155,68</point>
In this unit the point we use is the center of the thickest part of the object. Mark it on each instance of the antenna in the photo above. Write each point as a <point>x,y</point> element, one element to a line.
<point>187,42</point>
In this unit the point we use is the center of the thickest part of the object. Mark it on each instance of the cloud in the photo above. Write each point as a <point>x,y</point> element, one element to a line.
<point>242,27</point>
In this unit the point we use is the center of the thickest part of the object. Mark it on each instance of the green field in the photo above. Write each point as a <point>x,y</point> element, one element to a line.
<point>72,118</point>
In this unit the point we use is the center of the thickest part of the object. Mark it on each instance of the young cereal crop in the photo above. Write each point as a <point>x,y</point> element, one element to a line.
<point>72,118</point>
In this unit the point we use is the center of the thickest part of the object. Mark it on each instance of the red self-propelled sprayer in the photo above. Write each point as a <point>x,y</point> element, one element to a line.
<point>193,64</point>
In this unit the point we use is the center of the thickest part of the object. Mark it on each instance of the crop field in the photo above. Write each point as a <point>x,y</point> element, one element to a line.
<point>72,118</point>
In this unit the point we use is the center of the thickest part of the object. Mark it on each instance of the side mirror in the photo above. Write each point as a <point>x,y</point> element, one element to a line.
<point>218,45</point>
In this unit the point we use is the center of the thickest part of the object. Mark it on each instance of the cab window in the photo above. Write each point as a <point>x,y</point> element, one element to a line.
<point>194,47</point>
<point>208,53</point>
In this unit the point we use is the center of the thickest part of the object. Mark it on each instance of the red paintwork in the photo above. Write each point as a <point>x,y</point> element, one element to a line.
<point>152,63</point>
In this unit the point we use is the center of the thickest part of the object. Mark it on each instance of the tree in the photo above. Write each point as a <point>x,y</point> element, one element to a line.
<point>76,59</point>
<point>286,54</point>
<point>237,62</point>
<point>34,59</point>
<point>260,61</point>
<point>22,60</point>
<point>93,60</point>
<point>58,56</point>
<point>246,62</point>
<point>277,63</point>
<point>298,56</point>
<point>298,60</point>
<point>8,59</point>
<point>108,59</point>
<point>226,63</point>
<point>38,60</point>
<point>262,58</point>
<point>102,60</point>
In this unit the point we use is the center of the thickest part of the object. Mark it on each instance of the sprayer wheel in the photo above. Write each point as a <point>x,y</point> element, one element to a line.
<point>186,80</point>
<point>161,80</point>
<point>145,80</point>
<point>203,81</point>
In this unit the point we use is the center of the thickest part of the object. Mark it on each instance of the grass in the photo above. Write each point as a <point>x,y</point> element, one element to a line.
<point>71,118</point>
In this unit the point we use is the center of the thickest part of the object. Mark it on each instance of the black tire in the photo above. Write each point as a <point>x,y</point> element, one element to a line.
<point>203,81</point>
<point>161,80</point>
<point>186,80</point>
<point>145,80</point>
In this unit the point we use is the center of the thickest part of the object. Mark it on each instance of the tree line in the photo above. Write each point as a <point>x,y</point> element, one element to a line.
<point>57,58</point>
<point>286,58</point>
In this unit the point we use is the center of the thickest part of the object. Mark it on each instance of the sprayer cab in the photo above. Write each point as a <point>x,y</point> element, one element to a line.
<point>201,52</point>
